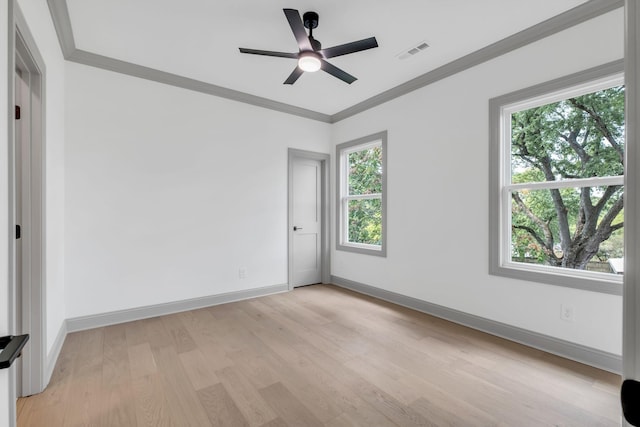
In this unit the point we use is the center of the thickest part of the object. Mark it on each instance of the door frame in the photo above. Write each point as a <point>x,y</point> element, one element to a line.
<point>23,53</point>
<point>324,159</point>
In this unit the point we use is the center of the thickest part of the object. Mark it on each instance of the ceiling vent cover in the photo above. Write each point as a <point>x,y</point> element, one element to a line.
<point>408,53</point>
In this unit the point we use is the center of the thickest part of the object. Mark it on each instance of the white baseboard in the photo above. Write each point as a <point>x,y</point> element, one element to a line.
<point>580,353</point>
<point>52,357</point>
<point>111,318</point>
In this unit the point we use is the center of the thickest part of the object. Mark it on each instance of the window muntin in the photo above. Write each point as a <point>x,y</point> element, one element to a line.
<point>361,186</point>
<point>573,183</point>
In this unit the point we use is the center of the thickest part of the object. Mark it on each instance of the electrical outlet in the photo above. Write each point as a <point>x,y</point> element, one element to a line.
<point>242,273</point>
<point>567,312</point>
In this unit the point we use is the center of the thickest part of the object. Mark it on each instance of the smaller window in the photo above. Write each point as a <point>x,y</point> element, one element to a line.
<point>361,208</point>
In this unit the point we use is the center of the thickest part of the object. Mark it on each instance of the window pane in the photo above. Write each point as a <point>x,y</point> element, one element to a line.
<point>580,137</point>
<point>579,228</point>
<point>365,171</point>
<point>365,221</point>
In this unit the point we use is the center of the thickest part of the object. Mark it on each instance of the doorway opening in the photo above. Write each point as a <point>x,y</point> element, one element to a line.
<point>308,218</point>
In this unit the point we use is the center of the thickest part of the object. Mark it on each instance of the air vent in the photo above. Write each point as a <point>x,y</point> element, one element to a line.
<point>408,53</point>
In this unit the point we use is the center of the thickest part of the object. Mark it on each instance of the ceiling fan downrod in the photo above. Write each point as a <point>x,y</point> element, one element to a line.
<point>310,20</point>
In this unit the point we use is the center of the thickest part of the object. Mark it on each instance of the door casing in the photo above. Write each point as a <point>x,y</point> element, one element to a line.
<point>24,55</point>
<point>325,224</point>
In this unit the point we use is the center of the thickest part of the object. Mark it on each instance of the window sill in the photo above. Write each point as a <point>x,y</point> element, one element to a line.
<point>363,249</point>
<point>588,281</point>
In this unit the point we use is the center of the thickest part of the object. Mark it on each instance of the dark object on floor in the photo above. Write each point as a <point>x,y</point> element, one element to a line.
<point>630,397</point>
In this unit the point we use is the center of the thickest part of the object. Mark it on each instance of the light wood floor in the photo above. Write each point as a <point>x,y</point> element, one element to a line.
<point>318,356</point>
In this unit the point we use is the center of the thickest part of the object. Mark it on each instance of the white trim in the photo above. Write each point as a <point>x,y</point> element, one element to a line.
<point>580,353</point>
<point>614,280</point>
<point>11,288</point>
<point>325,246</point>
<point>53,355</point>
<point>370,196</point>
<point>362,147</point>
<point>364,246</point>
<point>566,183</point>
<point>82,323</point>
<point>631,296</point>
<point>584,88</point>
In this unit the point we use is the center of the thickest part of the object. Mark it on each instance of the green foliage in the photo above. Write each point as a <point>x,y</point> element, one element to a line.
<point>365,221</point>
<point>365,177</point>
<point>365,171</point>
<point>581,137</point>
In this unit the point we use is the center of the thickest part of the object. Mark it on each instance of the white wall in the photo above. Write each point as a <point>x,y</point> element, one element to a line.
<point>438,193</point>
<point>170,191</point>
<point>40,24</point>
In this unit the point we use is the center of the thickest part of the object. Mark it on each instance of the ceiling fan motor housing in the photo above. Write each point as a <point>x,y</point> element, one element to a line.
<point>310,20</point>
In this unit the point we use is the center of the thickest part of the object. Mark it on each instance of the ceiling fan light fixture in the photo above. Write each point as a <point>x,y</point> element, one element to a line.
<point>309,62</point>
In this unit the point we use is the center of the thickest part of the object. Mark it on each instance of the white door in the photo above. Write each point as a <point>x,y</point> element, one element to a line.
<point>306,221</point>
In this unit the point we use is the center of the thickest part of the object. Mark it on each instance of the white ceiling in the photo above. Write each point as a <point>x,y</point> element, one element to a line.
<point>199,39</point>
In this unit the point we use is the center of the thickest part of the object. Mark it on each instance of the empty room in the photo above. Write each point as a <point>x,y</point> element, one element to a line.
<point>319,213</point>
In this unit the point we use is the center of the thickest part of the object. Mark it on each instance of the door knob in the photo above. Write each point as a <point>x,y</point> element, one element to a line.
<point>296,228</point>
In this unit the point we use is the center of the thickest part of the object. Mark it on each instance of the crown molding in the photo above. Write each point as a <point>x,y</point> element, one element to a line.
<point>135,70</point>
<point>577,15</point>
<point>565,20</point>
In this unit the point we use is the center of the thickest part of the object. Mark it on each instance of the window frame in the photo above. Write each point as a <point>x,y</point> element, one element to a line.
<point>500,186</point>
<point>343,198</point>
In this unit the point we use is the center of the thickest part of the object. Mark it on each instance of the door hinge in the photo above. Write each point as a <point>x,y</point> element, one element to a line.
<point>18,231</point>
<point>17,112</point>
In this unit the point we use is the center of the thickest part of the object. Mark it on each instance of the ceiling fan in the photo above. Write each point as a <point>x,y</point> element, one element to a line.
<point>311,57</point>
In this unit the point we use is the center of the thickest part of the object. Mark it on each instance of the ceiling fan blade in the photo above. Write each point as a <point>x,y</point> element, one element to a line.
<point>297,72</point>
<point>269,53</point>
<point>344,49</point>
<point>293,16</point>
<point>337,72</point>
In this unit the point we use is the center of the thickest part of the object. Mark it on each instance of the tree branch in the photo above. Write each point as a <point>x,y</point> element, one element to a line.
<point>546,230</point>
<point>532,232</point>
<point>611,215</point>
<point>601,125</point>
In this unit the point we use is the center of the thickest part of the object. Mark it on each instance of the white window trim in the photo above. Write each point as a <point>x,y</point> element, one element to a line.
<point>342,197</point>
<point>500,185</point>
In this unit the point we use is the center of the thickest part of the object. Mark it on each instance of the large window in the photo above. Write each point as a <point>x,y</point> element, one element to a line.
<point>361,215</point>
<point>558,165</point>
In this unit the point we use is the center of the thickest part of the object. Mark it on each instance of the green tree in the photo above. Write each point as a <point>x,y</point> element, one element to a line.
<point>581,137</point>
<point>365,177</point>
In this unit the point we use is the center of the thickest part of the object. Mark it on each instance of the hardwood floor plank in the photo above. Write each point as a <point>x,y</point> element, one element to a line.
<point>255,367</point>
<point>319,355</point>
<point>254,409</point>
<point>141,360</point>
<point>156,333</point>
<point>84,398</point>
<point>150,403</point>
<point>288,407</point>
<point>198,369</point>
<point>220,407</point>
<point>115,366</point>
<point>182,400</point>
<point>183,341</point>
<point>118,408</point>
<point>278,422</point>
